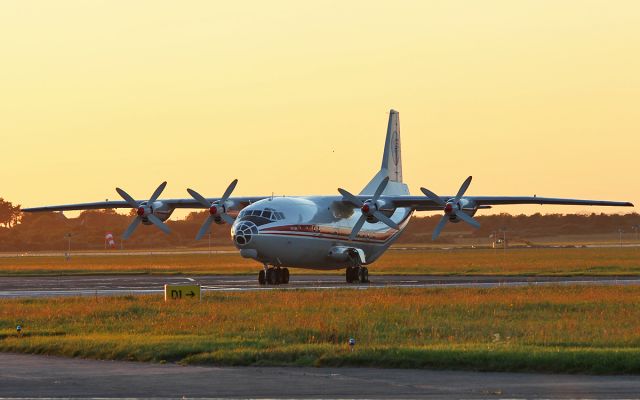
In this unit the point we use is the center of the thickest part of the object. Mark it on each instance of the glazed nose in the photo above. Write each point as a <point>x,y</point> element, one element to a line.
<point>244,233</point>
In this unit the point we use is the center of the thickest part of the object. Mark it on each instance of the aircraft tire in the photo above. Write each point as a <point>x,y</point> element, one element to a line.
<point>363,274</point>
<point>352,274</point>
<point>277,276</point>
<point>262,280</point>
<point>285,275</point>
<point>271,276</point>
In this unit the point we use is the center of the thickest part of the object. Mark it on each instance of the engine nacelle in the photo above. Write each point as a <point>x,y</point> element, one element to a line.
<point>469,211</point>
<point>159,209</point>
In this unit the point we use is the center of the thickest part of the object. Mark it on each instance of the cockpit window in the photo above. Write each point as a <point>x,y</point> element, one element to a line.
<point>261,217</point>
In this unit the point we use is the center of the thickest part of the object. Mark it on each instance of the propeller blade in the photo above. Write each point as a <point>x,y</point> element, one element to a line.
<point>227,218</point>
<point>132,227</point>
<point>157,222</point>
<point>205,228</point>
<point>441,224</point>
<point>349,197</point>
<point>469,220</point>
<point>433,196</point>
<point>199,198</point>
<point>127,198</point>
<point>228,192</point>
<point>158,192</point>
<point>463,188</point>
<point>357,227</point>
<point>380,189</point>
<point>388,221</point>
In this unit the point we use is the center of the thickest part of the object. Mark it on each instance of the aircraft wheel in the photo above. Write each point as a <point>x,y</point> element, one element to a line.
<point>285,276</point>
<point>351,274</point>
<point>262,280</point>
<point>363,274</point>
<point>271,276</point>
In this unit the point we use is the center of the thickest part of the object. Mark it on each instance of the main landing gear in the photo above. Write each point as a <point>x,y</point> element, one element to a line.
<point>273,276</point>
<point>356,274</point>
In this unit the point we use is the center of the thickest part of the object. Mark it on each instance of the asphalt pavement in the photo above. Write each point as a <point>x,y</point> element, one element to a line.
<point>45,376</point>
<point>105,285</point>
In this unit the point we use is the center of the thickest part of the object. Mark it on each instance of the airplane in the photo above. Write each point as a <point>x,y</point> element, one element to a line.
<point>321,232</point>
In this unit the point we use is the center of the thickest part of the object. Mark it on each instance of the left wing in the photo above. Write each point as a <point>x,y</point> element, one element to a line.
<point>422,203</point>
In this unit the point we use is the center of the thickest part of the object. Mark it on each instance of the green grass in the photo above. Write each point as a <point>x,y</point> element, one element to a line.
<point>573,329</point>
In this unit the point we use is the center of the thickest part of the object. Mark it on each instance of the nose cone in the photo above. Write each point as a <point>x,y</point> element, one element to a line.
<point>244,238</point>
<point>243,233</point>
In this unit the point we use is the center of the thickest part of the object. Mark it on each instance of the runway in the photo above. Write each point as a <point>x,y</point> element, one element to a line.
<point>44,376</point>
<point>110,285</point>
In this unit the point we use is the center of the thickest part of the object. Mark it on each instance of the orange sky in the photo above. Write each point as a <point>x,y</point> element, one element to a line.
<point>291,97</point>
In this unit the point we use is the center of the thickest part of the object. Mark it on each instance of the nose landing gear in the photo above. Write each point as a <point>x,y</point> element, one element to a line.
<point>273,276</point>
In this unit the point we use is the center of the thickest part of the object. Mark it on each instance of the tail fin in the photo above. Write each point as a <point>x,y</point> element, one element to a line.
<point>392,156</point>
<point>391,161</point>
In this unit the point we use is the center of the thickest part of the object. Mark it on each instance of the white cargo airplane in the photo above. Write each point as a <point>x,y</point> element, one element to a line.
<point>321,232</point>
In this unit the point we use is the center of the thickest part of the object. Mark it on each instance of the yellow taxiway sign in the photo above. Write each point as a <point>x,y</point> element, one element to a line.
<point>182,292</point>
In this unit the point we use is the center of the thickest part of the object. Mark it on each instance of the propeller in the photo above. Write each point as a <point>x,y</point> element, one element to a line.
<point>369,208</point>
<point>143,211</point>
<point>217,208</point>
<point>451,207</point>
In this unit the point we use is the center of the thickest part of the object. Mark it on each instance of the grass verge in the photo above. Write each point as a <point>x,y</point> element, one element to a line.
<point>574,329</point>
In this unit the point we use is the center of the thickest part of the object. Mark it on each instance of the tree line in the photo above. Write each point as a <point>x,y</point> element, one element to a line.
<point>21,232</point>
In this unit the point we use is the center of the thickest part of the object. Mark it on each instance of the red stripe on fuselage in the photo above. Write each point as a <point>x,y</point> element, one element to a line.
<point>331,232</point>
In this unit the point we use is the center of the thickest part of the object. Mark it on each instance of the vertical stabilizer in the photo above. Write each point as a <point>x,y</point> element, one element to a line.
<point>391,161</point>
<point>392,156</point>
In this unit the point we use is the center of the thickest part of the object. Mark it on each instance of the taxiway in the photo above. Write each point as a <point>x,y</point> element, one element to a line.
<point>54,377</point>
<point>104,285</point>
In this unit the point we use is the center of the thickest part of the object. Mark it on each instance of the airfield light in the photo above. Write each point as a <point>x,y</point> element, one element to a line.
<point>19,330</point>
<point>352,343</point>
<point>620,231</point>
<point>67,255</point>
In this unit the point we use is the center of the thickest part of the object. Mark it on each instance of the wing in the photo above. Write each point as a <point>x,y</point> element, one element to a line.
<point>172,203</point>
<point>422,203</point>
<point>500,200</point>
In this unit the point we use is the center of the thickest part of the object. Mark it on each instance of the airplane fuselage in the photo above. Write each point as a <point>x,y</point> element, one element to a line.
<point>311,232</point>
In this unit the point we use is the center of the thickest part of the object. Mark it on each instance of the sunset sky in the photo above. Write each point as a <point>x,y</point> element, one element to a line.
<point>292,97</point>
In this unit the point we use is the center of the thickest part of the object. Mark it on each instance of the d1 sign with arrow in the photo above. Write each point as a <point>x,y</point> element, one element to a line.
<point>182,292</point>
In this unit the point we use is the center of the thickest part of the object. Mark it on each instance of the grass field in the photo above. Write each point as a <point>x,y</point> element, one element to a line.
<point>552,329</point>
<point>533,261</point>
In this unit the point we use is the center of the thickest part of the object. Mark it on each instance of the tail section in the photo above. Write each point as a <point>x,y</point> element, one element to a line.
<point>392,156</point>
<point>391,161</point>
